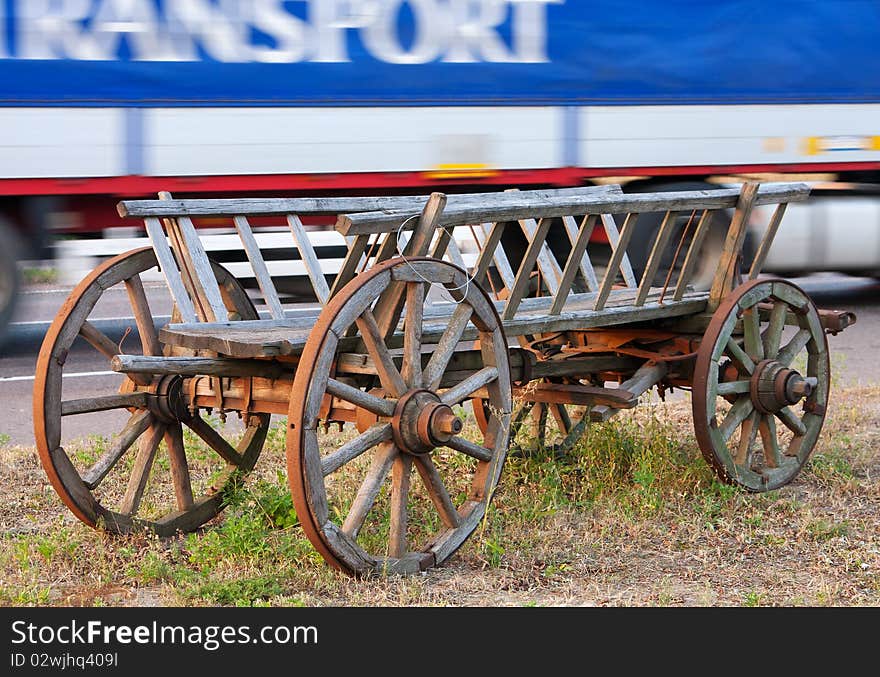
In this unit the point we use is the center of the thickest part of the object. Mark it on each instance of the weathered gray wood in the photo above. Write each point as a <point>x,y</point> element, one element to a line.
<point>369,489</point>
<point>548,266</point>
<point>574,262</point>
<point>140,472</point>
<point>180,478</point>
<point>195,366</point>
<point>103,403</point>
<point>381,432</point>
<point>169,270</point>
<point>521,282</point>
<point>445,348</point>
<point>401,475</point>
<point>389,305</point>
<point>307,252</point>
<point>136,426</point>
<point>471,384</point>
<point>663,235</point>
<point>142,316</point>
<point>619,244</point>
<point>314,206</point>
<point>513,209</point>
<point>214,440</point>
<point>361,398</point>
<point>586,266</point>
<point>469,448</point>
<point>725,275</point>
<point>270,339</point>
<point>411,371</point>
<point>766,241</point>
<point>693,253</point>
<point>350,265</point>
<point>258,265</point>
<point>202,274</point>
<point>390,377</point>
<point>437,491</point>
<point>488,235</point>
<point>98,340</point>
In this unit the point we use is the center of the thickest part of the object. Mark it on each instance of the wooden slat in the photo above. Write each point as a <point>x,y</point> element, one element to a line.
<point>390,302</point>
<point>693,254</point>
<point>548,266</point>
<point>307,252</point>
<point>766,241</point>
<point>204,282</point>
<point>626,269</point>
<point>142,316</point>
<point>488,247</point>
<point>356,249</point>
<point>316,206</point>
<point>586,266</point>
<point>518,206</point>
<point>654,258</point>
<point>618,255</point>
<point>725,275</point>
<point>521,282</point>
<point>169,270</point>
<point>574,262</point>
<point>258,264</point>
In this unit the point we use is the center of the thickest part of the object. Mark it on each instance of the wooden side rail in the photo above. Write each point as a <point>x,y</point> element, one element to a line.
<point>188,274</point>
<point>581,214</point>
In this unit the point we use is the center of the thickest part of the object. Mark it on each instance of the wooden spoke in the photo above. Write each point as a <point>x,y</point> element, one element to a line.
<point>179,467</point>
<point>733,387</point>
<point>773,334</point>
<point>98,340</point>
<point>88,405</point>
<point>437,491</point>
<point>401,474</point>
<point>363,399</point>
<point>389,376</point>
<point>140,473</point>
<point>214,440</point>
<point>791,421</point>
<point>472,383</point>
<point>381,432</point>
<point>747,434</point>
<point>142,316</point>
<point>560,415</point>
<point>469,448</point>
<point>737,414</point>
<point>738,355</point>
<point>446,346</point>
<point>369,489</point>
<point>752,334</point>
<point>793,347</point>
<point>137,425</point>
<point>767,426</point>
<point>412,334</point>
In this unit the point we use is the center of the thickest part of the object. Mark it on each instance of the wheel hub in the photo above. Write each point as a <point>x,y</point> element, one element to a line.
<point>169,402</point>
<point>422,422</point>
<point>774,386</point>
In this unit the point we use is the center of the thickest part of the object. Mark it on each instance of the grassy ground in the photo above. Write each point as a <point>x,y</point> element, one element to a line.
<point>634,518</point>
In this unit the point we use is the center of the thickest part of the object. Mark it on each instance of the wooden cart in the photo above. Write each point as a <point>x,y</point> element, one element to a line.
<point>418,367</point>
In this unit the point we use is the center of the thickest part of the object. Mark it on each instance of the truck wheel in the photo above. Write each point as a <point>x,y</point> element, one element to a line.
<point>648,225</point>
<point>10,277</point>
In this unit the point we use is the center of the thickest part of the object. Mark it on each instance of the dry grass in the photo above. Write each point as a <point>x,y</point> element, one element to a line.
<point>634,518</point>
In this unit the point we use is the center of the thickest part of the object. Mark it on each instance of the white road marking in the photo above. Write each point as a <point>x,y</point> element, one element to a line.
<point>73,375</point>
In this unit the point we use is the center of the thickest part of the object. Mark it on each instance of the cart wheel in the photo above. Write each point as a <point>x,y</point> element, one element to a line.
<point>751,371</point>
<point>357,521</point>
<point>177,491</point>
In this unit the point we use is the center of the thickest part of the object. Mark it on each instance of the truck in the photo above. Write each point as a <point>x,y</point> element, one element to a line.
<point>103,100</point>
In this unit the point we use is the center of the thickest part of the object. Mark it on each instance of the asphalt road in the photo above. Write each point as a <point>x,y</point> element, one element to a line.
<point>855,351</point>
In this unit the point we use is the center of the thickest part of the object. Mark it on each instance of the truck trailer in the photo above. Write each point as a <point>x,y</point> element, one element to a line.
<point>103,100</point>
